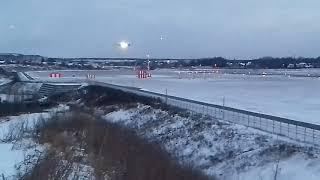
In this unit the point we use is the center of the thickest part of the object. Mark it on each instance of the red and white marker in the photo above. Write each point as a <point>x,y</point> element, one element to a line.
<point>143,74</point>
<point>55,75</point>
<point>91,76</point>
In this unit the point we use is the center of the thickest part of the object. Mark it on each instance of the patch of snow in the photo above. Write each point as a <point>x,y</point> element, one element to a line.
<point>14,124</point>
<point>8,159</point>
<point>119,116</point>
<point>294,168</point>
<point>13,153</point>
<point>9,124</point>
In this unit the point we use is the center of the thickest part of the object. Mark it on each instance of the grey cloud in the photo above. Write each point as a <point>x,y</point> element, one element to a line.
<point>233,28</point>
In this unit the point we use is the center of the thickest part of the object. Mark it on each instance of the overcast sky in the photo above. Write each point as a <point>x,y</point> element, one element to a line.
<point>190,28</point>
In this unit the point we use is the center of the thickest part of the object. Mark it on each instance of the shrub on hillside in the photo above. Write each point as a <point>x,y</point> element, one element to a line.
<point>114,152</point>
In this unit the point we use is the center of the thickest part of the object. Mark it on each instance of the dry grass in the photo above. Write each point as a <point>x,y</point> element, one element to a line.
<point>112,151</point>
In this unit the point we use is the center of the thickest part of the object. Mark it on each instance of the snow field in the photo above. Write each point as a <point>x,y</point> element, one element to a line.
<point>292,98</point>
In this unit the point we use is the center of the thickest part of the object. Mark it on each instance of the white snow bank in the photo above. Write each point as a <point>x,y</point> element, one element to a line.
<point>297,167</point>
<point>8,159</point>
<point>119,116</point>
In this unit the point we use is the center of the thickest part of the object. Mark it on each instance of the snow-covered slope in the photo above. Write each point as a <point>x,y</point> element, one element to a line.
<point>11,156</point>
<point>228,151</point>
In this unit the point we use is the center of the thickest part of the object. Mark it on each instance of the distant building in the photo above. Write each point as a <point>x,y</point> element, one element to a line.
<point>290,66</point>
<point>301,65</point>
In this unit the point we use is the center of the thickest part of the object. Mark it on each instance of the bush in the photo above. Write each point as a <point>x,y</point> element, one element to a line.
<point>113,151</point>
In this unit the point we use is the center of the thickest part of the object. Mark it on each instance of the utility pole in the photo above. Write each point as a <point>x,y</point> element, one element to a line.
<point>223,104</point>
<point>166,96</point>
<point>223,101</point>
<point>148,56</point>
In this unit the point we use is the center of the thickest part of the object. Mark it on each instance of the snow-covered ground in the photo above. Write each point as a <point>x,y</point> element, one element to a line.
<point>227,151</point>
<point>9,158</point>
<point>279,95</point>
<point>12,153</point>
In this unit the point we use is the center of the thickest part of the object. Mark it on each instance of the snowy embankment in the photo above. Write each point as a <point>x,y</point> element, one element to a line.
<point>14,149</point>
<point>218,148</point>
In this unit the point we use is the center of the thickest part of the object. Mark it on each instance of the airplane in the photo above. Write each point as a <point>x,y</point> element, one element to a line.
<point>123,44</point>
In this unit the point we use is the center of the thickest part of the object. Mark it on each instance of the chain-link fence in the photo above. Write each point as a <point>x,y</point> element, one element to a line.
<point>296,130</point>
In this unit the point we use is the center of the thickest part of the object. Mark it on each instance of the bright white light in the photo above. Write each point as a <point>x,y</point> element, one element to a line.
<point>124,45</point>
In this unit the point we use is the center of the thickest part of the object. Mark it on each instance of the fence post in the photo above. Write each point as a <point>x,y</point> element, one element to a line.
<point>215,112</point>
<point>280,128</point>
<point>267,125</point>
<point>296,132</point>
<point>313,136</point>
<point>288,130</point>
<point>305,133</point>
<point>260,123</point>
<point>243,118</point>
<point>166,96</point>
<point>223,111</point>
<point>272,126</point>
<point>223,107</point>
<point>248,120</point>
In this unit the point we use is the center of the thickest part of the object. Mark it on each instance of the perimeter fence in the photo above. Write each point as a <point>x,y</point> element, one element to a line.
<point>295,130</point>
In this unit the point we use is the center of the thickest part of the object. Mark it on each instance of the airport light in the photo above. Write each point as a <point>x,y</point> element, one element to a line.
<point>148,56</point>
<point>124,45</point>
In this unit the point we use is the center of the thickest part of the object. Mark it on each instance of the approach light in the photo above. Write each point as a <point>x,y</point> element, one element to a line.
<point>124,45</point>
